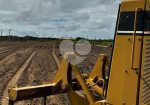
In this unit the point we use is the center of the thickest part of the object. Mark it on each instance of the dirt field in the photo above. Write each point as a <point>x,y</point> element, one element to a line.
<point>32,63</point>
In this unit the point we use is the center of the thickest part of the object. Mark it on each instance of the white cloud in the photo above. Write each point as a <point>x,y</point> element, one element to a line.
<point>68,17</point>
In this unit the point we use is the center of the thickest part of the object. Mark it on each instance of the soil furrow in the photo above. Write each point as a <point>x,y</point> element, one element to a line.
<point>42,69</point>
<point>10,65</point>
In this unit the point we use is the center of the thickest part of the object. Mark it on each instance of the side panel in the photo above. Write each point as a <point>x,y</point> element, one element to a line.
<point>123,82</point>
<point>116,80</point>
<point>145,70</point>
<point>145,74</point>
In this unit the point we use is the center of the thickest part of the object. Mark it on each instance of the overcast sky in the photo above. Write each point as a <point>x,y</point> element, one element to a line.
<point>59,17</point>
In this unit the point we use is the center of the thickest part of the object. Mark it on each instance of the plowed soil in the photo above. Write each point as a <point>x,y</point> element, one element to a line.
<point>40,68</point>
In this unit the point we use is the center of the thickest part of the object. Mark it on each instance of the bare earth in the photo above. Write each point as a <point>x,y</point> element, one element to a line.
<point>32,63</point>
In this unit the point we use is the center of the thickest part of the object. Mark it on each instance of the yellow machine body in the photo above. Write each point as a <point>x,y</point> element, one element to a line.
<point>129,80</point>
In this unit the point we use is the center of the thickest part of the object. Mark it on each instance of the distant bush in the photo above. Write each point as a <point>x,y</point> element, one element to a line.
<point>42,39</point>
<point>25,38</point>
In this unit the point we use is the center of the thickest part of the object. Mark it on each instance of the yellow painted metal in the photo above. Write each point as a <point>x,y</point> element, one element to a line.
<point>144,91</point>
<point>76,99</point>
<point>62,73</point>
<point>97,73</point>
<point>95,87</point>
<point>18,94</point>
<point>123,80</point>
<point>135,66</point>
<point>132,5</point>
<point>97,70</point>
<point>131,0</point>
<point>145,74</point>
<point>148,5</point>
<point>82,82</point>
<point>103,102</point>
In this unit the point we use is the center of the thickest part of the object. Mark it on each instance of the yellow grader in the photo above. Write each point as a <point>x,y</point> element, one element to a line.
<point>128,82</point>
